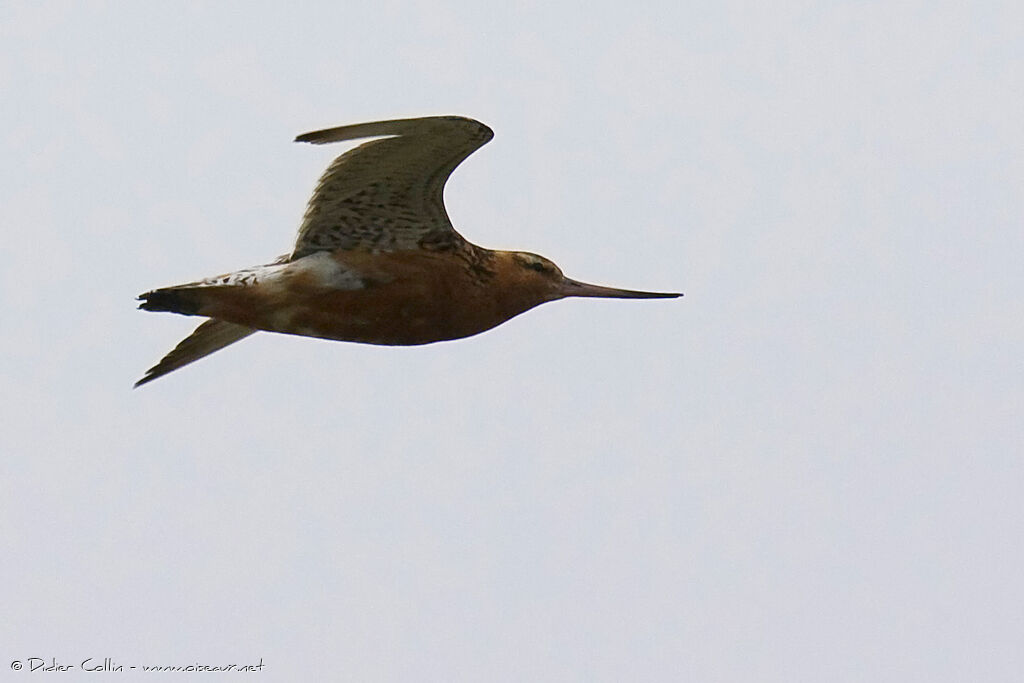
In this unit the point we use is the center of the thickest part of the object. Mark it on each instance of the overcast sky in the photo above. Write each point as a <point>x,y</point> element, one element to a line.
<point>807,469</point>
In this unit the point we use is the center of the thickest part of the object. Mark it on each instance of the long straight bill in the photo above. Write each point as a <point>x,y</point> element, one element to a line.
<point>577,288</point>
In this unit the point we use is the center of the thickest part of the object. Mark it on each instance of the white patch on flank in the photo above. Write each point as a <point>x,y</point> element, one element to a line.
<point>327,272</point>
<point>323,269</point>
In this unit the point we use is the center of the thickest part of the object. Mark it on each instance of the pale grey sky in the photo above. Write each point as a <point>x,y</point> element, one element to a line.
<point>808,469</point>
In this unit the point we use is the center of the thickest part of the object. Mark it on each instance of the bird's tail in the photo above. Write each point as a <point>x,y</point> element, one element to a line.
<point>212,335</point>
<point>185,299</point>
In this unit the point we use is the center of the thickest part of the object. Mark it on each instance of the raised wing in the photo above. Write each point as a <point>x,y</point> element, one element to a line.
<point>386,195</point>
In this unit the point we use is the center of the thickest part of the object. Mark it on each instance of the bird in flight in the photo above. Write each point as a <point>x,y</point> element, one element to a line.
<point>376,259</point>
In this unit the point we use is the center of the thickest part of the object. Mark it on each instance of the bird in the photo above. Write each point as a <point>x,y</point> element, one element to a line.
<point>376,259</point>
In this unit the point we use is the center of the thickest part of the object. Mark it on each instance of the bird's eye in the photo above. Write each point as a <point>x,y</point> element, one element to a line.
<point>538,266</point>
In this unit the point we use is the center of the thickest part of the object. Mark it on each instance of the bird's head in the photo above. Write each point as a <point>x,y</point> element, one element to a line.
<point>543,278</point>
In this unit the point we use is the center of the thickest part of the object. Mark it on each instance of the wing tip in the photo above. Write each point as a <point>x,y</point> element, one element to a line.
<point>309,137</point>
<point>211,336</point>
<point>385,128</point>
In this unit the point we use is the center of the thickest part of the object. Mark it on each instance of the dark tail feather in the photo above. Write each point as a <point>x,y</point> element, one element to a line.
<point>184,300</point>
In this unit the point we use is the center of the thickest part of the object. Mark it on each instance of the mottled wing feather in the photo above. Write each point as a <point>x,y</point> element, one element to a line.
<point>212,335</point>
<point>387,194</point>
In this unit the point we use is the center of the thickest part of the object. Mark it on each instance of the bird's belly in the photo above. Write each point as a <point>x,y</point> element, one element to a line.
<point>395,314</point>
<point>387,317</point>
<point>399,299</point>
